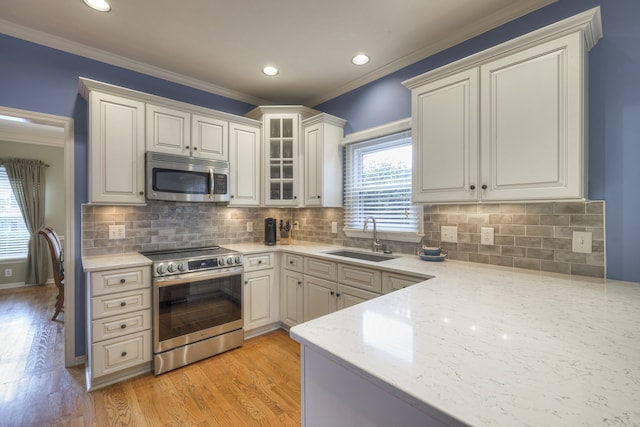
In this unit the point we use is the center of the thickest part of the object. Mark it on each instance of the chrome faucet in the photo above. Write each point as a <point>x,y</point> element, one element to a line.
<point>376,243</point>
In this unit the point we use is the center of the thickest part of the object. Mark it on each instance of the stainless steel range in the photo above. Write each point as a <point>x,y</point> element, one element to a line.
<point>197,299</point>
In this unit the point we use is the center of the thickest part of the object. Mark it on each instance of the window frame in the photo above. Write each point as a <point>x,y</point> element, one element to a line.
<point>14,256</point>
<point>370,134</point>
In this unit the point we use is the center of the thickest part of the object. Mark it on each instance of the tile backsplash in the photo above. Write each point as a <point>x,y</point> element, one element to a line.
<point>534,236</point>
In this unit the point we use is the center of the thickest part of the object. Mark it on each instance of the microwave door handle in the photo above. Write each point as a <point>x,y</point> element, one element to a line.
<point>211,183</point>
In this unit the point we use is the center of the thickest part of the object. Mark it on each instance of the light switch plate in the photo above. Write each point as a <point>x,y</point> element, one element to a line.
<point>582,242</point>
<point>117,232</point>
<point>486,236</point>
<point>249,227</point>
<point>449,233</point>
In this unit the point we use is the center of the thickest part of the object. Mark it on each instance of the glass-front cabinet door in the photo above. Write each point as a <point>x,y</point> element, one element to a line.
<point>282,159</point>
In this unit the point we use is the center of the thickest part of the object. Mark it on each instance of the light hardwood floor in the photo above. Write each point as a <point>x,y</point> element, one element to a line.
<point>256,385</point>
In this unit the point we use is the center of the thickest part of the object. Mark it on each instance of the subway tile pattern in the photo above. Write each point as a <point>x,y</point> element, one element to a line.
<point>535,236</point>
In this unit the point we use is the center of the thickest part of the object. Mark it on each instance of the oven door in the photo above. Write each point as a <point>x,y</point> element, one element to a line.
<point>196,306</point>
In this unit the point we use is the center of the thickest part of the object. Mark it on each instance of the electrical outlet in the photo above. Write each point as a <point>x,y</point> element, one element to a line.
<point>116,232</point>
<point>582,242</point>
<point>249,227</point>
<point>486,236</point>
<point>449,233</point>
<point>8,272</point>
<point>334,227</point>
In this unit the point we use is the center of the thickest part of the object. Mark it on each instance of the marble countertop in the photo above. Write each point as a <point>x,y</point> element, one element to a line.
<point>494,346</point>
<point>486,345</point>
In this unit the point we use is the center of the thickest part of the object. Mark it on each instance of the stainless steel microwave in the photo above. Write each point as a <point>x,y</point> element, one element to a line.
<point>186,179</point>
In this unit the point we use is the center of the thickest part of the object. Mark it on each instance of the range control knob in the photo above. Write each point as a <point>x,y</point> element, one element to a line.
<point>183,266</point>
<point>221,261</point>
<point>238,260</point>
<point>230,260</point>
<point>172,268</point>
<point>161,269</point>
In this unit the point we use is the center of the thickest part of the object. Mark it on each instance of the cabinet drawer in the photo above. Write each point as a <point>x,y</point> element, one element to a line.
<point>117,326</point>
<point>392,281</point>
<point>320,268</point>
<point>293,262</point>
<point>126,279</point>
<point>258,262</point>
<point>125,302</point>
<point>120,353</point>
<point>362,278</point>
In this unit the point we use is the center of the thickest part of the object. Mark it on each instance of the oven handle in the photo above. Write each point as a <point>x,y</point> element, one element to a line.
<point>191,277</point>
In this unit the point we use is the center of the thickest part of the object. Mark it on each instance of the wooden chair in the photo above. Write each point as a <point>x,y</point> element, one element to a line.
<point>57,259</point>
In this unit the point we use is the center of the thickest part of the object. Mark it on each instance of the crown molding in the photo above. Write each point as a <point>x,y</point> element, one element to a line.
<point>589,23</point>
<point>85,51</point>
<point>481,26</point>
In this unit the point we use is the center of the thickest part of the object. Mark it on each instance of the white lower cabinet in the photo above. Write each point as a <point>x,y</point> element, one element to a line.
<point>260,295</point>
<point>119,325</point>
<point>319,297</point>
<point>292,305</point>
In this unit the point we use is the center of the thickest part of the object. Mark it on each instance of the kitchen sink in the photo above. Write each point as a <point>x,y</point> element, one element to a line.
<point>368,256</point>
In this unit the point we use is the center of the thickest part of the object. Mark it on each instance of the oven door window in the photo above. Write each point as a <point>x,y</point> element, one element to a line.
<point>198,306</point>
<point>184,182</point>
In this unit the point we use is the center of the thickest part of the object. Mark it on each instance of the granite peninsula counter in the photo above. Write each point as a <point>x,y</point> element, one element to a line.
<point>476,345</point>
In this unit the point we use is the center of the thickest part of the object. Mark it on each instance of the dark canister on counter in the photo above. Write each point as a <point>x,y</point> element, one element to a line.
<point>270,231</point>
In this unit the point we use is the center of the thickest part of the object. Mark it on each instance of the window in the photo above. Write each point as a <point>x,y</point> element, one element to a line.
<point>378,184</point>
<point>14,236</point>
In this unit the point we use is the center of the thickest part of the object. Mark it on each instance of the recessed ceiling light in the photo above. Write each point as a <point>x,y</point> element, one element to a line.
<point>99,5</point>
<point>270,71</point>
<point>360,59</point>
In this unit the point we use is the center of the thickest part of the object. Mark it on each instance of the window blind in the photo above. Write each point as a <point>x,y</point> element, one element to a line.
<point>14,236</point>
<point>378,183</point>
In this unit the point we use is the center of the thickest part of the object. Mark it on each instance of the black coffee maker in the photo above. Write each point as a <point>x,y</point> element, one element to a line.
<point>270,231</point>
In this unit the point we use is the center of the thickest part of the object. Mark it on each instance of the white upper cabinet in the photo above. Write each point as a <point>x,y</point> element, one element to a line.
<point>209,137</point>
<point>533,123</point>
<point>323,136</point>
<point>244,165</point>
<point>508,123</point>
<point>445,122</point>
<point>174,131</point>
<point>282,139</point>
<point>116,150</point>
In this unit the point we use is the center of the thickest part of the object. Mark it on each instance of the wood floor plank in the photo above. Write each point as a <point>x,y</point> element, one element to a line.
<point>255,385</point>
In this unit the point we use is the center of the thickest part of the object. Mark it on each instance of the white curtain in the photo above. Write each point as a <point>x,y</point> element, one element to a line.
<point>27,179</point>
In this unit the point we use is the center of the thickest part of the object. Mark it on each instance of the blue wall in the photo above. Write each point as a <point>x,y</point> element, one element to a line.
<point>37,78</point>
<point>614,113</point>
<point>41,79</point>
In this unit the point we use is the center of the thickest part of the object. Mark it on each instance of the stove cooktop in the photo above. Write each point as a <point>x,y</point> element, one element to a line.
<point>179,261</point>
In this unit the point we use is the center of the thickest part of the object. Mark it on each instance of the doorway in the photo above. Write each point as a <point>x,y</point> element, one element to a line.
<point>28,127</point>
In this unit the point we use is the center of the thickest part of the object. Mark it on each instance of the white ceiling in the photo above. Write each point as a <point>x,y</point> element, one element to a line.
<point>221,46</point>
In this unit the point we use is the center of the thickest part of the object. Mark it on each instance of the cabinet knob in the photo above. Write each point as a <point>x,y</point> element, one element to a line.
<point>232,196</point>
<point>294,197</point>
<point>246,282</point>
<point>123,326</point>
<point>123,280</point>
<point>332,292</point>
<point>186,147</point>
<point>195,148</point>
<point>123,354</point>
<point>290,262</point>
<point>472,187</point>
<point>318,197</point>
<point>260,262</point>
<point>299,283</point>
<point>141,193</point>
<point>484,186</point>
<point>122,304</point>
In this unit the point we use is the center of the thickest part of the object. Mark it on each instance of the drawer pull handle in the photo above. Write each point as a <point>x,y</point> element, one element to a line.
<point>123,354</point>
<point>123,280</point>
<point>123,303</point>
<point>123,326</point>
